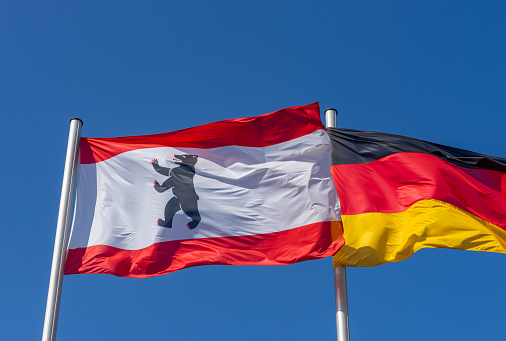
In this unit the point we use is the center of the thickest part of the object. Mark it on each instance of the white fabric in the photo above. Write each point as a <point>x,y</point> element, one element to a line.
<point>242,191</point>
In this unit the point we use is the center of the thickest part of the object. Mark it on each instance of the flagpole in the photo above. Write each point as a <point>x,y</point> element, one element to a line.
<point>62,231</point>
<point>341,292</point>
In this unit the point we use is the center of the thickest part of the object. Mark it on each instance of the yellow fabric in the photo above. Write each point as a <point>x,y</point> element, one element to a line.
<point>377,238</point>
<point>336,230</point>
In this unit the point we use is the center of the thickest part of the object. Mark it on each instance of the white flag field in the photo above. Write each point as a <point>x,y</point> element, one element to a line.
<point>250,191</point>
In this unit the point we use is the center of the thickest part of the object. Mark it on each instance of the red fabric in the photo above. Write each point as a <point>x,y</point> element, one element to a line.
<point>261,131</point>
<point>286,247</point>
<point>395,182</point>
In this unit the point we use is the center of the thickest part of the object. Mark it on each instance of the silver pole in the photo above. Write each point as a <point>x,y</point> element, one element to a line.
<point>62,232</point>
<point>343,327</point>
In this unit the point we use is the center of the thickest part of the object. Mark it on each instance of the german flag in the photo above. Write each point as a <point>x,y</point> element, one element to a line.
<point>400,194</point>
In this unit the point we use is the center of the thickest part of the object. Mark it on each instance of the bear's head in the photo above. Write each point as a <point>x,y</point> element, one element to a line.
<point>186,159</point>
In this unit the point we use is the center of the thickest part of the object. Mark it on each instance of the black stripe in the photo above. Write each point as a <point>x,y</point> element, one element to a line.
<point>355,146</point>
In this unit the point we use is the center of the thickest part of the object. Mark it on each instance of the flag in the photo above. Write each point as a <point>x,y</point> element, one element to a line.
<point>249,191</point>
<point>400,194</point>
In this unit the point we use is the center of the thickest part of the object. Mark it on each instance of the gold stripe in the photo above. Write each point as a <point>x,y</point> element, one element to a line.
<point>377,238</point>
<point>336,230</point>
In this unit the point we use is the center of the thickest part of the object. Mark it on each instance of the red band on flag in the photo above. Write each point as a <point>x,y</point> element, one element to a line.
<point>379,186</point>
<point>261,131</point>
<point>304,243</point>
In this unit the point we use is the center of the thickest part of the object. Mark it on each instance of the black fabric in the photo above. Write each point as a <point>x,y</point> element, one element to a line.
<point>355,146</point>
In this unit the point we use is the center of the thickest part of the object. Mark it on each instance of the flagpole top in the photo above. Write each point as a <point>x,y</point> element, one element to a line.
<point>331,117</point>
<point>77,118</point>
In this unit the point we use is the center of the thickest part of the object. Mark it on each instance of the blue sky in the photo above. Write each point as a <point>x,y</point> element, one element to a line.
<point>433,70</point>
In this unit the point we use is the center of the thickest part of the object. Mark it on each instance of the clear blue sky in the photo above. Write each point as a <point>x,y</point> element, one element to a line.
<point>433,70</point>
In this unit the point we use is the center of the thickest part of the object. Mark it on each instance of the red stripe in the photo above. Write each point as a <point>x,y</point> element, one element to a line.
<point>261,131</point>
<point>286,247</point>
<point>394,183</point>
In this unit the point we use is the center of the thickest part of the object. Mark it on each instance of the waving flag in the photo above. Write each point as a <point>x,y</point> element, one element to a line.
<point>399,195</point>
<point>250,191</point>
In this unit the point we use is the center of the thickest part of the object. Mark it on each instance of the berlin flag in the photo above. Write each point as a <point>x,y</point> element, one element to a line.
<point>249,191</point>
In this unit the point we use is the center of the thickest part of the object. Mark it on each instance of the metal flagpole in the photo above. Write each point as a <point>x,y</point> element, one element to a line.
<point>343,328</point>
<point>62,231</point>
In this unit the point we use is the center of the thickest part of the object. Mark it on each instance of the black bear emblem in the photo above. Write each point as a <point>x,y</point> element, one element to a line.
<point>181,181</point>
